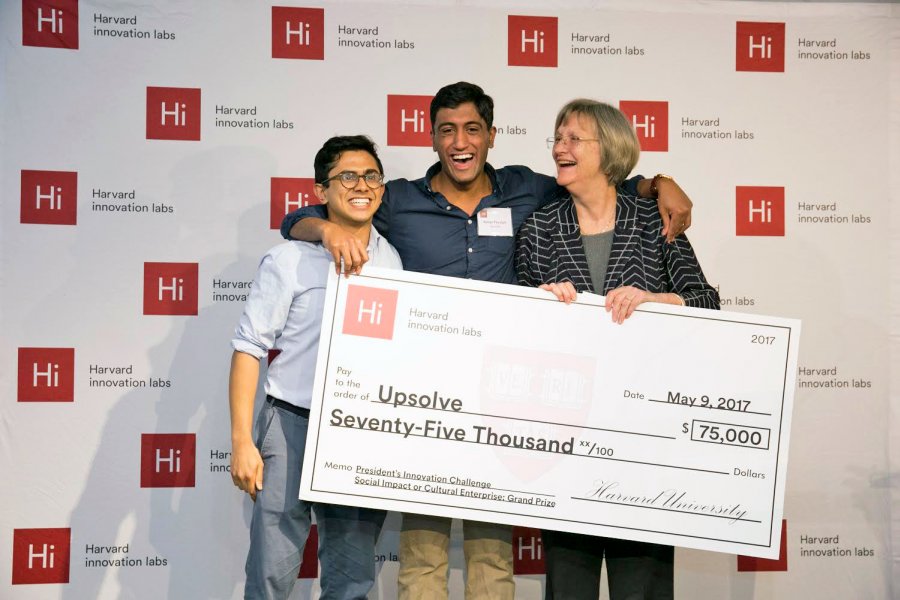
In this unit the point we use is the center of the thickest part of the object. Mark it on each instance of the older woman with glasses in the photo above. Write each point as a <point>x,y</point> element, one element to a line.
<point>600,239</point>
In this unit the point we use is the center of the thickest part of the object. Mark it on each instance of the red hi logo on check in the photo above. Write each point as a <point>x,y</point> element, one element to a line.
<point>370,312</point>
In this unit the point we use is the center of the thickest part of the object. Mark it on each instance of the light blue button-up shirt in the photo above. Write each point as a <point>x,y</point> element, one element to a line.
<point>284,312</point>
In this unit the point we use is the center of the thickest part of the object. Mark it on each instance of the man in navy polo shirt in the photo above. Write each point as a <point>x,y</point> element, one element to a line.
<point>460,220</point>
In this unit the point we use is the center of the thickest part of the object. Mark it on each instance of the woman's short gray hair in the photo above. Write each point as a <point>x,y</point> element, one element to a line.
<point>618,142</point>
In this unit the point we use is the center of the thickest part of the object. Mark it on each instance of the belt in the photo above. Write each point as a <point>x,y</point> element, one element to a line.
<point>293,408</point>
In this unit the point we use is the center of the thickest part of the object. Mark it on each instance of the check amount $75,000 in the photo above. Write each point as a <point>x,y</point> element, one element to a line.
<point>496,403</point>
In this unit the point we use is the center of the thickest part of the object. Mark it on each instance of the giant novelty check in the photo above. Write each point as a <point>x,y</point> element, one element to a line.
<point>498,403</point>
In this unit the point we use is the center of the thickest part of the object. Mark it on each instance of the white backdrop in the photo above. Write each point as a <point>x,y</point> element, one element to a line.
<point>96,366</point>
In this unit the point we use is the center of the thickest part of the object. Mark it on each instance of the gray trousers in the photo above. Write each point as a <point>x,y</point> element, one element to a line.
<point>281,522</point>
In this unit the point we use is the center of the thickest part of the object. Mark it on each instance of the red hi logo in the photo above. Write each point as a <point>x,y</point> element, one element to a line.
<point>290,194</point>
<point>170,288</point>
<point>650,121</point>
<point>41,555</point>
<point>173,113</point>
<point>532,41</point>
<point>298,33</point>
<point>46,375</point>
<point>50,23</point>
<point>168,459</point>
<point>370,312</point>
<point>752,563</point>
<point>409,123</point>
<point>49,197</point>
<point>528,551</point>
<point>309,564</point>
<point>759,211</point>
<point>759,47</point>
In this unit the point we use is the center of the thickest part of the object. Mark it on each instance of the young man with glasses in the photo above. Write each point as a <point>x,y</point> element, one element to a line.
<point>284,311</point>
<point>435,224</point>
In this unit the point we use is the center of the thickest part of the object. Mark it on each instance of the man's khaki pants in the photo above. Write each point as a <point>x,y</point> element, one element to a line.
<point>424,559</point>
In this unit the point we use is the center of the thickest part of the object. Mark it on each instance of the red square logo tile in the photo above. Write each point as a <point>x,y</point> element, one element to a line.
<point>532,41</point>
<point>49,197</point>
<point>752,563</point>
<point>50,23</point>
<point>46,375</point>
<point>298,33</point>
<point>759,211</point>
<point>168,459</point>
<point>759,47</point>
<point>650,120</point>
<point>41,555</point>
<point>289,194</point>
<point>528,551</point>
<point>173,113</point>
<point>370,312</point>
<point>408,120</point>
<point>170,288</point>
<point>309,564</point>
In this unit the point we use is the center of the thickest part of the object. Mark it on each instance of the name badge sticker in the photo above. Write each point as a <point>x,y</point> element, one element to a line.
<point>495,222</point>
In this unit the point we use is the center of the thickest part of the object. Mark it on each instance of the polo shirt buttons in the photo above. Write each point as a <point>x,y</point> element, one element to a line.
<point>448,207</point>
<point>470,250</point>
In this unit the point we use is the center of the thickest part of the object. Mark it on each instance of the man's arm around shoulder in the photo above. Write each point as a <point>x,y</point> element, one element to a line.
<point>309,224</point>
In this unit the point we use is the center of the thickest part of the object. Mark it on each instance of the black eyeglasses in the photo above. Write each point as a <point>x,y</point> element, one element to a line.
<point>349,179</point>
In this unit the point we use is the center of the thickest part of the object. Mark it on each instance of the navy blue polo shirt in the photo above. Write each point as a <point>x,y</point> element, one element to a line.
<point>433,236</point>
